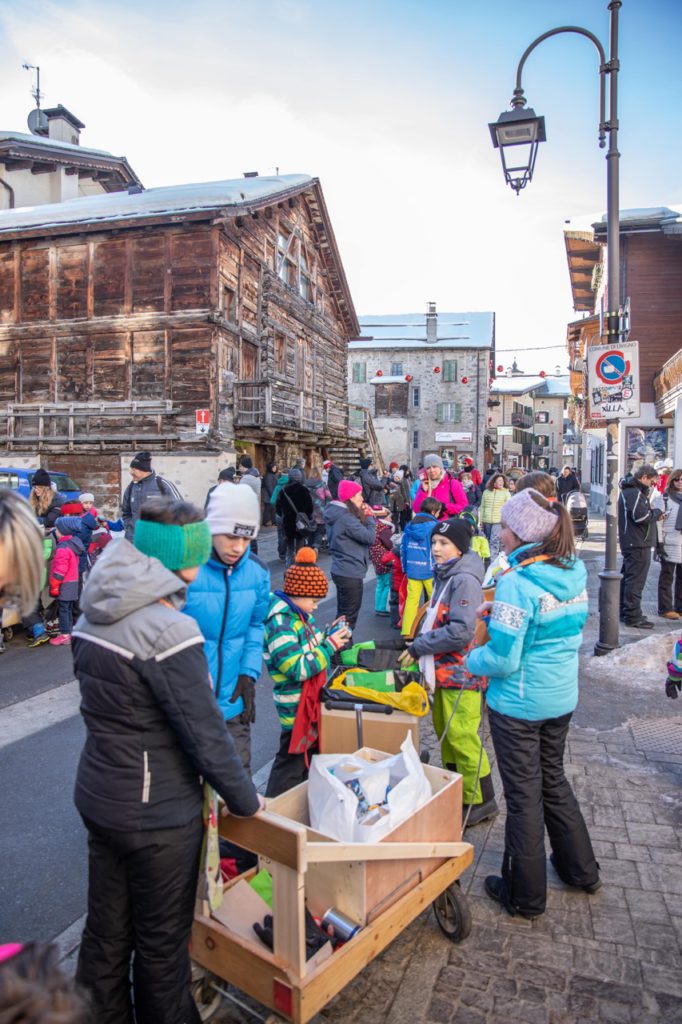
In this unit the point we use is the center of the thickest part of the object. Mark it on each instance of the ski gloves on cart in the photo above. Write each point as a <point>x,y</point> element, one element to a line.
<point>246,689</point>
<point>315,938</point>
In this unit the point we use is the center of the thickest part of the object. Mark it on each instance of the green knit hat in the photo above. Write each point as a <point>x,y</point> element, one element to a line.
<point>176,547</point>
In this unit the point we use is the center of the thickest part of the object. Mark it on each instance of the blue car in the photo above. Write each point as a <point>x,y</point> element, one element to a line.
<point>21,480</point>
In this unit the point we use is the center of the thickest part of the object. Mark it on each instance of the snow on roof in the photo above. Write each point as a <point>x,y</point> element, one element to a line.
<point>39,140</point>
<point>548,387</point>
<point>654,216</point>
<point>408,330</point>
<point>174,199</point>
<point>388,379</point>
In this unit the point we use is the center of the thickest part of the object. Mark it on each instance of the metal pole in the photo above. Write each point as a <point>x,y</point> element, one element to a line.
<point>609,590</point>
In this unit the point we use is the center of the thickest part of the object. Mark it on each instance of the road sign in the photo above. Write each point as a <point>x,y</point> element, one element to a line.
<point>203,421</point>
<point>613,381</point>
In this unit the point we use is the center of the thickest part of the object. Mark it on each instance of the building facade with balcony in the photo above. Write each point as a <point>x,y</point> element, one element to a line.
<point>195,321</point>
<point>526,420</point>
<point>424,379</point>
<point>651,279</point>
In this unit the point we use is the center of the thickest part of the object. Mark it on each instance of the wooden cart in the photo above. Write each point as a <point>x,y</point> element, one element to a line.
<point>382,886</point>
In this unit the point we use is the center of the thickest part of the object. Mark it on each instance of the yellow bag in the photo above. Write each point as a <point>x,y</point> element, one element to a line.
<point>412,699</point>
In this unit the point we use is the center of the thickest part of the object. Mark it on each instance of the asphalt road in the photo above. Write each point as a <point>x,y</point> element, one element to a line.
<point>44,879</point>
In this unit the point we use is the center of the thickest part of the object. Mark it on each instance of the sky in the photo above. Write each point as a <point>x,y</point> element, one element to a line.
<point>387,102</point>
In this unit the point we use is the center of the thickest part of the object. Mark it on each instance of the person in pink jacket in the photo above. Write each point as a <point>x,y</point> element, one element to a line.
<point>65,576</point>
<point>440,485</point>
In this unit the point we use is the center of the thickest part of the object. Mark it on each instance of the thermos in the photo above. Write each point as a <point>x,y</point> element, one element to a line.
<point>341,927</point>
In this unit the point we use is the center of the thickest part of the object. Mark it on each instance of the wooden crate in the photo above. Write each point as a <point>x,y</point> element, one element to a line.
<point>338,731</point>
<point>363,890</point>
<point>391,882</point>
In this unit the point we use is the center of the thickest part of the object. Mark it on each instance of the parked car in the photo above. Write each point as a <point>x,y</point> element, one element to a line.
<point>21,480</point>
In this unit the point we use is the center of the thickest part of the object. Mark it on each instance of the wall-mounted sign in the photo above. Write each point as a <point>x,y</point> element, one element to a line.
<point>450,438</point>
<point>203,421</point>
<point>613,381</point>
<point>505,431</point>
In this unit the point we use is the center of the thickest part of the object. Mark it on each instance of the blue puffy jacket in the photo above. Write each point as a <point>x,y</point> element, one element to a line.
<point>229,604</point>
<point>415,547</point>
<point>535,631</point>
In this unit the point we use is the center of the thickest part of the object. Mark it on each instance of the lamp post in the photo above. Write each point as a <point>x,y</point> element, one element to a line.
<point>517,134</point>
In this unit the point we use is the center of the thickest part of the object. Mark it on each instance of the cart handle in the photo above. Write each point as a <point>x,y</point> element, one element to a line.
<point>350,705</point>
<point>332,853</point>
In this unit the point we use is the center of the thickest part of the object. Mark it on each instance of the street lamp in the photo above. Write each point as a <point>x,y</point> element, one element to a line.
<point>522,128</point>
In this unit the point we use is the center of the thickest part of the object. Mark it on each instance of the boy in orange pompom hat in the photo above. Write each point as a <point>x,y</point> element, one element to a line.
<point>298,655</point>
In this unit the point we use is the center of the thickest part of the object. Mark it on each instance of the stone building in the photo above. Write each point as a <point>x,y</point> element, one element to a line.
<point>424,378</point>
<point>196,321</point>
<point>526,419</point>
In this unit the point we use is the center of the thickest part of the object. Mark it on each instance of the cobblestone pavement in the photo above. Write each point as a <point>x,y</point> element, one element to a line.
<point>614,956</point>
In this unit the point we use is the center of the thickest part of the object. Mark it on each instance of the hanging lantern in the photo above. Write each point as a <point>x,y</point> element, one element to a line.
<point>542,373</point>
<point>500,368</point>
<point>408,377</point>
<point>465,380</point>
<point>436,369</point>
<point>379,373</point>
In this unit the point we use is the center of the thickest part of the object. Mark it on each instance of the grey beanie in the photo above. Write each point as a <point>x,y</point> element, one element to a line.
<point>529,521</point>
<point>433,460</point>
<point>296,476</point>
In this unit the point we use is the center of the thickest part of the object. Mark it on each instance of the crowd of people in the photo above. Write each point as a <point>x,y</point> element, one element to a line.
<point>480,577</point>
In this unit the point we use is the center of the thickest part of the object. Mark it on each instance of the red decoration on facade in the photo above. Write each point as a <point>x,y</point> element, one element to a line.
<point>542,373</point>
<point>465,380</point>
<point>379,373</point>
<point>408,377</point>
<point>500,368</point>
<point>436,369</point>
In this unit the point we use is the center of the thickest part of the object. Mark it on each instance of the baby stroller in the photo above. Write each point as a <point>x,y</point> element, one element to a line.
<point>576,504</point>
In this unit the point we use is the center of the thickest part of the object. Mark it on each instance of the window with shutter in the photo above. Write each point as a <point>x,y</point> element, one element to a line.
<point>359,373</point>
<point>391,400</point>
<point>381,400</point>
<point>450,370</point>
<point>457,412</point>
<point>440,418</point>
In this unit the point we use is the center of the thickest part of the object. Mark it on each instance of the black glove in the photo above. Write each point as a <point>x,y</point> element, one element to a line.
<point>672,687</point>
<point>246,689</point>
<point>315,938</point>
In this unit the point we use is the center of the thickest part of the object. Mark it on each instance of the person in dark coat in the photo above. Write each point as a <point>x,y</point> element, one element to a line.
<point>46,503</point>
<point>637,536</point>
<point>567,483</point>
<point>334,477</point>
<point>351,531</point>
<point>154,733</point>
<point>373,488</point>
<point>144,485</point>
<point>292,499</point>
<point>267,489</point>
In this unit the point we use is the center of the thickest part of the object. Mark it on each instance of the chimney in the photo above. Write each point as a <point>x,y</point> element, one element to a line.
<point>63,125</point>
<point>250,174</point>
<point>431,323</point>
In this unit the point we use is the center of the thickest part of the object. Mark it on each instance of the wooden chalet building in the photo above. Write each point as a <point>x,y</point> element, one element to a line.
<point>195,321</point>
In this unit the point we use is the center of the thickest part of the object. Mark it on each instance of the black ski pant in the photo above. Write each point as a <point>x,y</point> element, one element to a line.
<point>635,569</point>
<point>141,893</point>
<point>670,587</point>
<point>288,770</point>
<point>530,759</point>
<point>348,597</point>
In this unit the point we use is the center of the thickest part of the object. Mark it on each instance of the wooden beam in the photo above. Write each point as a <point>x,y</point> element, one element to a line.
<point>332,853</point>
<point>43,168</point>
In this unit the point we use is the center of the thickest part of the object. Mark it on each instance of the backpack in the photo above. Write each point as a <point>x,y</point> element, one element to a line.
<point>302,522</point>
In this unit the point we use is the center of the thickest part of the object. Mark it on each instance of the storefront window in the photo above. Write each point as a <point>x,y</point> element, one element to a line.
<point>645,444</point>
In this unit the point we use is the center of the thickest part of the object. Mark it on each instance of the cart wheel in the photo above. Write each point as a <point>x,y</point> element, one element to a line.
<point>586,533</point>
<point>453,913</point>
<point>205,996</point>
<point>8,633</point>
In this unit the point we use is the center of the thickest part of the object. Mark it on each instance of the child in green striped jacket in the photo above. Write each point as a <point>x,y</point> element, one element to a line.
<point>298,656</point>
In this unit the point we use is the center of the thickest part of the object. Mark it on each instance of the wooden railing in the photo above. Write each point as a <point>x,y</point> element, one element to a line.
<point>74,423</point>
<point>668,385</point>
<point>274,405</point>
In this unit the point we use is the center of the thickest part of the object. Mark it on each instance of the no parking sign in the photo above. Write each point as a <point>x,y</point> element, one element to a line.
<point>613,380</point>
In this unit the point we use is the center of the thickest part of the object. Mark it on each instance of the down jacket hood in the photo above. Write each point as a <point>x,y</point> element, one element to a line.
<point>125,580</point>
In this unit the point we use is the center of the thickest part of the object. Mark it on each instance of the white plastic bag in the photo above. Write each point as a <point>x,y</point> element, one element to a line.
<point>333,806</point>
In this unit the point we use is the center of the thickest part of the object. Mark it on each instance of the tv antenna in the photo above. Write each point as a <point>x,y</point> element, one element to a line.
<point>35,91</point>
<point>37,120</point>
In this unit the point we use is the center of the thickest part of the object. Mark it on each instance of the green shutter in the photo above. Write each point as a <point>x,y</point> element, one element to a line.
<point>457,418</point>
<point>439,413</point>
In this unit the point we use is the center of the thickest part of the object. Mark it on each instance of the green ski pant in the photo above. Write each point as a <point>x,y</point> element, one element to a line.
<point>461,745</point>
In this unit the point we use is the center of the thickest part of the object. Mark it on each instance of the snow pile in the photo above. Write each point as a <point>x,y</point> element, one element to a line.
<point>635,664</point>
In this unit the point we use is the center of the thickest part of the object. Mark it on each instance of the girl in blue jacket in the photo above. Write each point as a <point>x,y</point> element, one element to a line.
<point>229,600</point>
<point>417,561</point>
<point>531,662</point>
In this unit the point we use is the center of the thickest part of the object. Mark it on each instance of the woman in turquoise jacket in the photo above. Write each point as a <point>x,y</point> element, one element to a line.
<point>531,662</point>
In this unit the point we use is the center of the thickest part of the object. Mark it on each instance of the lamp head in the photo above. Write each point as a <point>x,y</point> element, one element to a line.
<point>523,129</point>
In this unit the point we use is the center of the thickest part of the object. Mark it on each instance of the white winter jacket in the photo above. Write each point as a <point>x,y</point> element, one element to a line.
<point>669,537</point>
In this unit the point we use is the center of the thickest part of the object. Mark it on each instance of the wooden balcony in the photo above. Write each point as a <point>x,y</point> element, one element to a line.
<point>668,385</point>
<point>75,424</point>
<point>275,408</point>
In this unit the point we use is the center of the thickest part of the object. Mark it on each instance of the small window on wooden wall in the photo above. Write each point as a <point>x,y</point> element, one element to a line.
<point>280,354</point>
<point>229,304</point>
<point>286,256</point>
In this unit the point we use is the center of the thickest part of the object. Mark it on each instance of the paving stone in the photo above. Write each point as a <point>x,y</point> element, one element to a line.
<point>537,974</point>
<point>517,1010</point>
<point>646,906</point>
<point>503,986</point>
<point>655,936</point>
<point>539,951</point>
<point>615,1013</point>
<point>638,811</point>
<point>669,1008</point>
<point>613,991</point>
<point>601,848</point>
<point>652,835</point>
<point>467,1015</point>
<point>532,994</point>
<point>609,966</point>
<point>483,1001</point>
<point>659,878</point>
<point>610,817</point>
<point>626,851</point>
<point>612,925</point>
<point>662,979</point>
<point>618,872</point>
<point>440,1010</point>
<point>661,855</point>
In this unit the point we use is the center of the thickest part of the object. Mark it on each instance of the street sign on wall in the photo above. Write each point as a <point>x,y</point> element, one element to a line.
<point>203,421</point>
<point>613,381</point>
